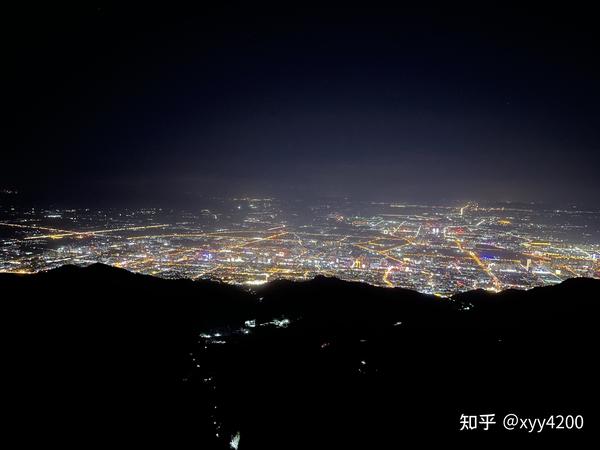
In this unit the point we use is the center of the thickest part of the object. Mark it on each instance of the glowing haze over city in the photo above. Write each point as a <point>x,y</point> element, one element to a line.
<point>440,148</point>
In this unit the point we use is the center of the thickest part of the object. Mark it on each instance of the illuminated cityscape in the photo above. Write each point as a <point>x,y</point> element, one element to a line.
<point>439,250</point>
<point>285,225</point>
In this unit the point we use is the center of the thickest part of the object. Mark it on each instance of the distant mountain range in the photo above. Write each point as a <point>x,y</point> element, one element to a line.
<point>99,355</point>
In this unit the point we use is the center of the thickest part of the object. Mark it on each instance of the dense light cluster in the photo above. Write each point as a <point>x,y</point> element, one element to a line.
<point>433,249</point>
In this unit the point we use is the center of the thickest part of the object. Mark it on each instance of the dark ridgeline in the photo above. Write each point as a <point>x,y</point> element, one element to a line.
<point>99,355</point>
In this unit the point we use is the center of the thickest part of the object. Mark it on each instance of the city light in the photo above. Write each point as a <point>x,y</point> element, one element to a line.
<point>438,250</point>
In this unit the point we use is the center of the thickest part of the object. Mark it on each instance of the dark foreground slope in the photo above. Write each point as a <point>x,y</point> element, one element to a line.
<point>102,356</point>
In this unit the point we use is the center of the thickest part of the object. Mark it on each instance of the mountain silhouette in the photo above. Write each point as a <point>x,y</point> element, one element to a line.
<point>99,355</point>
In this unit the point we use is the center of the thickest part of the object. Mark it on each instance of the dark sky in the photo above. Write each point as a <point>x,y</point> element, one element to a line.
<point>432,103</point>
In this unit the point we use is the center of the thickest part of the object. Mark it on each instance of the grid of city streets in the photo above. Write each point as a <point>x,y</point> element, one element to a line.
<point>435,249</point>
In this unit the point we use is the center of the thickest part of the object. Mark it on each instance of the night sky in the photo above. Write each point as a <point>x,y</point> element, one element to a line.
<point>149,102</point>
